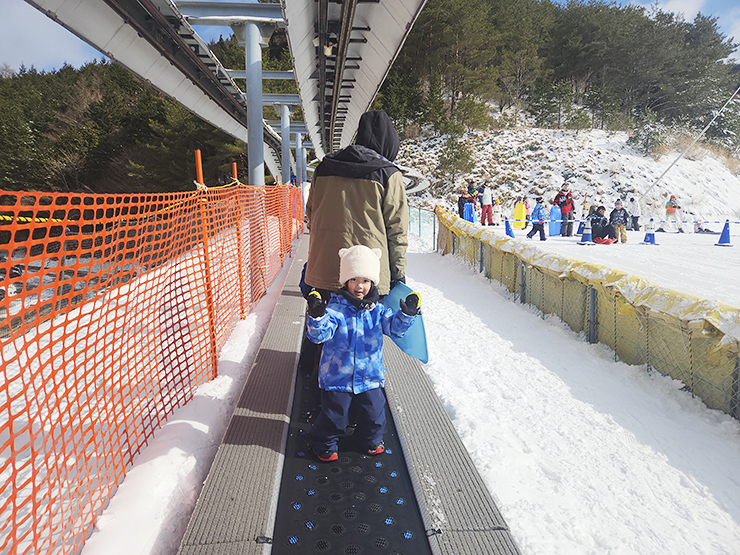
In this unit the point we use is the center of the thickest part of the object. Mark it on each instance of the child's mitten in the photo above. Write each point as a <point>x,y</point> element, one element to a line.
<point>316,305</point>
<point>412,304</point>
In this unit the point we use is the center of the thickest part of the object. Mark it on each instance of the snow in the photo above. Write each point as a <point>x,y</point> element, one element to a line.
<point>688,263</point>
<point>600,166</point>
<point>583,455</point>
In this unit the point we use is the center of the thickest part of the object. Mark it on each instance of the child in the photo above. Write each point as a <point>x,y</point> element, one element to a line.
<point>671,213</point>
<point>351,327</point>
<point>601,230</point>
<point>619,218</point>
<point>497,212</point>
<point>538,220</point>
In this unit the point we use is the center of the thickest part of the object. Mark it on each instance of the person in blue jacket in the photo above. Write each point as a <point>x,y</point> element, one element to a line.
<point>538,220</point>
<point>351,327</point>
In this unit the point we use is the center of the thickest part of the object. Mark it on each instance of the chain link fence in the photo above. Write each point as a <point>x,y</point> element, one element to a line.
<point>687,344</point>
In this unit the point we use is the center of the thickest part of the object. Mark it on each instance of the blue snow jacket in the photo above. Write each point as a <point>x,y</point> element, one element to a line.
<point>352,334</point>
<point>538,214</point>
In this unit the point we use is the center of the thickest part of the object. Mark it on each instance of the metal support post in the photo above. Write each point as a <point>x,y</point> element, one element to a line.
<point>285,142</point>
<point>523,283</point>
<point>593,316</point>
<point>434,232</point>
<point>300,172</point>
<point>304,171</point>
<point>300,158</point>
<point>253,59</point>
<point>735,402</point>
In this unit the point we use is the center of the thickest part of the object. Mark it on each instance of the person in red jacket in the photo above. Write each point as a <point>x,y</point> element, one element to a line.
<point>564,199</point>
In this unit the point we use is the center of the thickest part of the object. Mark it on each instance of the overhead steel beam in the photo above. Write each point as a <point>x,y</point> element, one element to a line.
<point>323,25</point>
<point>275,98</point>
<point>295,126</point>
<point>242,74</point>
<point>337,86</point>
<point>227,11</point>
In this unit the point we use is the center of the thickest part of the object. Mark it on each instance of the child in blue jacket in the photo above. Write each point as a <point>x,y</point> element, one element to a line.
<point>538,220</point>
<point>351,327</point>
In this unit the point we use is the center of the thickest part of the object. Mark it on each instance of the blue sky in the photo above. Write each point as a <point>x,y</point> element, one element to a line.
<point>28,37</point>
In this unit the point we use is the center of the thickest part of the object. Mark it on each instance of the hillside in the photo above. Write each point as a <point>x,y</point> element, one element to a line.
<point>533,161</point>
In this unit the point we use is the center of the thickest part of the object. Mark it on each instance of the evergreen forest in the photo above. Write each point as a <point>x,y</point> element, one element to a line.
<point>466,65</point>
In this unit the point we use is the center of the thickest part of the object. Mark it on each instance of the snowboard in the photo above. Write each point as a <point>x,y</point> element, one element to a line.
<point>604,240</point>
<point>555,222</point>
<point>414,342</point>
<point>520,215</point>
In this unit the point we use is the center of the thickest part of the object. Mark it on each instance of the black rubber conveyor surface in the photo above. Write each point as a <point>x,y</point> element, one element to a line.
<point>357,504</point>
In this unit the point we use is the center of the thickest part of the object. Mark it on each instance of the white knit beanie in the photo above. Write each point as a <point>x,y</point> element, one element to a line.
<point>359,261</point>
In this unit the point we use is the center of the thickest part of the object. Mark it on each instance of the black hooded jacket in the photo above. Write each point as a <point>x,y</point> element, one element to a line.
<point>358,197</point>
<point>372,155</point>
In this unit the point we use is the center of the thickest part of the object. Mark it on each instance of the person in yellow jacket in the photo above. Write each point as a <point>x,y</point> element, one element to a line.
<point>357,197</point>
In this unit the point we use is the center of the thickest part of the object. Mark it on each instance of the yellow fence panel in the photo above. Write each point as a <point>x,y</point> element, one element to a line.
<point>690,339</point>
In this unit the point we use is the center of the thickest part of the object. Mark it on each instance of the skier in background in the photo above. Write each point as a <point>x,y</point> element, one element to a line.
<point>497,212</point>
<point>486,214</point>
<point>635,212</point>
<point>470,197</point>
<point>671,213</point>
<point>601,230</point>
<point>564,199</point>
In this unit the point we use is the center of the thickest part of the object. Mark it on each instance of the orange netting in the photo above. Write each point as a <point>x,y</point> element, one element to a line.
<point>113,310</point>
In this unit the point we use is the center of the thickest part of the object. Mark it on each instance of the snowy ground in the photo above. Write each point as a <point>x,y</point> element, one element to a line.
<point>689,263</point>
<point>584,455</point>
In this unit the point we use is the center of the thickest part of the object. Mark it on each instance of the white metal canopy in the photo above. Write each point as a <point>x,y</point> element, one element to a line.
<point>341,55</point>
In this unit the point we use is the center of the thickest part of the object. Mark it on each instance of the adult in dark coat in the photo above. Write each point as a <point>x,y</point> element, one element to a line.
<point>564,199</point>
<point>600,226</point>
<point>357,197</point>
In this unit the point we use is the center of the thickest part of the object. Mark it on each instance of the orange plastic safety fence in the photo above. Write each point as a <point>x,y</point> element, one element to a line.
<point>113,310</point>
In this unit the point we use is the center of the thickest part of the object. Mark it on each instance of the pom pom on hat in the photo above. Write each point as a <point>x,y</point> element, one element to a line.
<point>359,261</point>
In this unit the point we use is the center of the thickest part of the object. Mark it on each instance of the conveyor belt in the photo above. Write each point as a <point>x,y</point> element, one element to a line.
<point>357,504</point>
<point>242,509</point>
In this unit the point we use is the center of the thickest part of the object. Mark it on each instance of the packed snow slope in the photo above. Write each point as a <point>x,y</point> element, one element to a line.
<point>600,166</point>
<point>584,455</point>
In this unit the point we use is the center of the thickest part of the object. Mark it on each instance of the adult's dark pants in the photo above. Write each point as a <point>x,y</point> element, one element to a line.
<point>566,229</point>
<point>635,223</point>
<point>606,231</point>
<point>367,407</point>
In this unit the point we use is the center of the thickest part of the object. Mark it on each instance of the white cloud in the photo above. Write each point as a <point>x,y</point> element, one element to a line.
<point>30,38</point>
<point>689,8</point>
